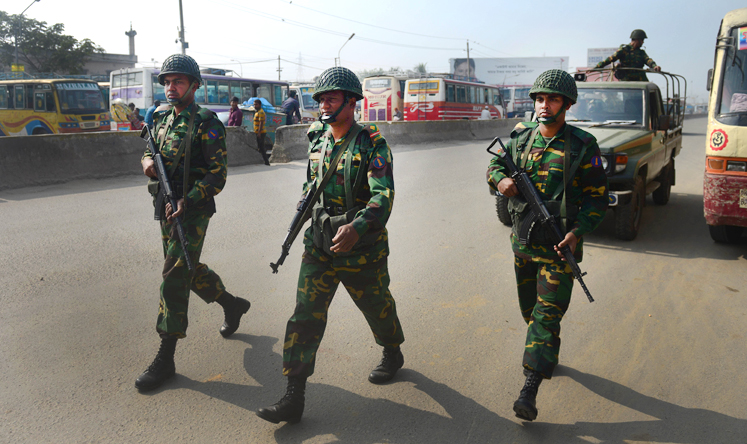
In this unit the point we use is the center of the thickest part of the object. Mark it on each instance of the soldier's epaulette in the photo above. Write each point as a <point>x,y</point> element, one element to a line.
<point>582,135</point>
<point>373,133</point>
<point>521,127</point>
<point>206,114</point>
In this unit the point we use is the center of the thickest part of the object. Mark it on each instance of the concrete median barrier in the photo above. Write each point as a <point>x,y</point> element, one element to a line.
<point>291,142</point>
<point>58,158</point>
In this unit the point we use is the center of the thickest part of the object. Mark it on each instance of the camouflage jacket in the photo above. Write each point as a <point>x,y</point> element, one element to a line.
<point>208,162</point>
<point>588,190</point>
<point>629,58</point>
<point>376,195</point>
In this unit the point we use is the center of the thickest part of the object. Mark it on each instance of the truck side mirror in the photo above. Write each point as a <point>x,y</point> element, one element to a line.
<point>664,122</point>
<point>579,76</point>
<point>710,79</point>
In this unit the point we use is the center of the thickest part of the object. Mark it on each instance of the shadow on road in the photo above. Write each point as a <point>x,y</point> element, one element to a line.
<point>677,229</point>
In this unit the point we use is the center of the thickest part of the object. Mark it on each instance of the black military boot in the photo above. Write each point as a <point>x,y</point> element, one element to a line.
<point>526,406</point>
<point>391,361</point>
<point>161,369</point>
<point>290,407</point>
<point>233,309</point>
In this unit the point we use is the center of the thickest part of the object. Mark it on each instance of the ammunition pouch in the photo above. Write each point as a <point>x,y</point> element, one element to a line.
<point>525,223</point>
<point>324,228</point>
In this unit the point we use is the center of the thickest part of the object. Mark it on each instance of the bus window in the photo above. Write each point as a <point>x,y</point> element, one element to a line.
<point>50,102</point>
<point>497,99</point>
<point>223,92</point>
<point>734,89</point>
<point>449,93</point>
<point>19,97</point>
<point>3,97</point>
<point>158,93</point>
<point>127,79</point>
<point>234,90</point>
<point>264,91</point>
<point>39,104</point>
<point>29,96</point>
<point>200,94</point>
<point>246,92</point>
<point>461,95</point>
<point>279,95</point>
<point>212,91</point>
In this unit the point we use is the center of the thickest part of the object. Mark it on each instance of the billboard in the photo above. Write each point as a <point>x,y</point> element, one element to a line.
<point>596,55</point>
<point>506,71</point>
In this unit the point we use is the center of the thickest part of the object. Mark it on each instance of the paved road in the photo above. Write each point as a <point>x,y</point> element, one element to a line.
<point>658,357</point>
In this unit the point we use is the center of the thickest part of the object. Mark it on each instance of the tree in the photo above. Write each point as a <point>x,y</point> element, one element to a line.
<point>43,48</point>
<point>420,68</point>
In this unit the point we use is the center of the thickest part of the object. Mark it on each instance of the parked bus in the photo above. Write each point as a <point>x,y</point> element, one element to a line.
<point>140,86</point>
<point>443,98</point>
<point>517,100</point>
<point>725,182</point>
<point>51,106</point>
<point>381,95</point>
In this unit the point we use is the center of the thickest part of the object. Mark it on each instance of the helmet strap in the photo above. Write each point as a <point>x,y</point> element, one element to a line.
<point>550,120</point>
<point>333,117</point>
<point>180,100</point>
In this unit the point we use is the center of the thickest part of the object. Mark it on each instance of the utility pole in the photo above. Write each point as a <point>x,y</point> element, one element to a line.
<point>279,68</point>
<point>18,22</point>
<point>185,45</point>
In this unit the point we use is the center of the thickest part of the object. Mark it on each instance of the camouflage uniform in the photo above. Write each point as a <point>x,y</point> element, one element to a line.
<point>543,280</point>
<point>206,178</point>
<point>363,270</point>
<point>629,58</point>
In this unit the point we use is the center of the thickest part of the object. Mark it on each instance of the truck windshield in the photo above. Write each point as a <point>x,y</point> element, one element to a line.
<point>608,106</point>
<point>733,103</point>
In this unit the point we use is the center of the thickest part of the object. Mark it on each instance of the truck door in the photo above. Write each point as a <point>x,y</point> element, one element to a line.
<point>658,147</point>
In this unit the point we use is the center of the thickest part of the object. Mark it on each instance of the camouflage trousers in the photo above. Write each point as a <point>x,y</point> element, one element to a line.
<point>177,282</point>
<point>318,279</point>
<point>544,295</point>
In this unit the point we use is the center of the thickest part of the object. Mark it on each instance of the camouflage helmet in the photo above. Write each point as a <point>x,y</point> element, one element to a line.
<point>555,81</point>
<point>180,64</point>
<point>638,34</point>
<point>338,79</point>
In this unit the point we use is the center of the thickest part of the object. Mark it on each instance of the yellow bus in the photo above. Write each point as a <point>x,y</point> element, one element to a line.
<point>51,106</point>
<point>725,182</point>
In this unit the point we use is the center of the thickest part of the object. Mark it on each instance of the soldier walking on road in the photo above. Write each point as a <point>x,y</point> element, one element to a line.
<point>347,240</point>
<point>631,56</point>
<point>192,140</point>
<point>553,153</point>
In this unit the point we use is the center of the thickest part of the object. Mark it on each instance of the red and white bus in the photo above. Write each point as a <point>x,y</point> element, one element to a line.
<point>442,98</point>
<point>381,95</point>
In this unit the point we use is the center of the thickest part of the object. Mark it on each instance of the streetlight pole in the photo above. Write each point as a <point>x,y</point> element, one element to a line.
<point>15,37</point>
<point>241,67</point>
<point>337,60</point>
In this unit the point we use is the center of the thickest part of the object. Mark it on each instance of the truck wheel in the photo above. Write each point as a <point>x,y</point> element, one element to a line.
<point>725,234</point>
<point>628,217</point>
<point>661,194</point>
<point>501,208</point>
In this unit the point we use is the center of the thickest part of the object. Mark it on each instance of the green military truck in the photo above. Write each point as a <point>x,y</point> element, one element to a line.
<point>639,132</point>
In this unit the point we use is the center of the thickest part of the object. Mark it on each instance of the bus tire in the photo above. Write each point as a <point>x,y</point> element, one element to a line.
<point>661,194</point>
<point>501,208</point>
<point>725,234</point>
<point>628,217</point>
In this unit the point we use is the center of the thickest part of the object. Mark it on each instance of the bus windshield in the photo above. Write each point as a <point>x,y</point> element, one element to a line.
<point>604,105</point>
<point>378,83</point>
<point>78,97</point>
<point>734,85</point>
<point>309,102</point>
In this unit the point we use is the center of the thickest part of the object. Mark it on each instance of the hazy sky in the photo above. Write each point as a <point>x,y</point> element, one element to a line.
<point>392,33</point>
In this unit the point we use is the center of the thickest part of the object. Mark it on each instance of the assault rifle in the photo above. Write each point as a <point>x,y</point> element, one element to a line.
<point>539,214</point>
<point>303,213</point>
<point>166,192</point>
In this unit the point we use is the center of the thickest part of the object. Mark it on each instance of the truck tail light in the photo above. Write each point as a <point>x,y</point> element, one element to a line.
<point>621,162</point>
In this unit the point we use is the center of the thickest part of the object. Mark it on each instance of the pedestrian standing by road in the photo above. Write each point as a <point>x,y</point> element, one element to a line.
<point>260,118</point>
<point>192,142</point>
<point>553,153</point>
<point>631,56</point>
<point>235,116</point>
<point>149,113</point>
<point>347,241</point>
<point>291,108</point>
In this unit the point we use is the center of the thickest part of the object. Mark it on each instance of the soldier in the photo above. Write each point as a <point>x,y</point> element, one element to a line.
<point>553,153</point>
<point>190,139</point>
<point>347,240</point>
<point>631,56</point>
